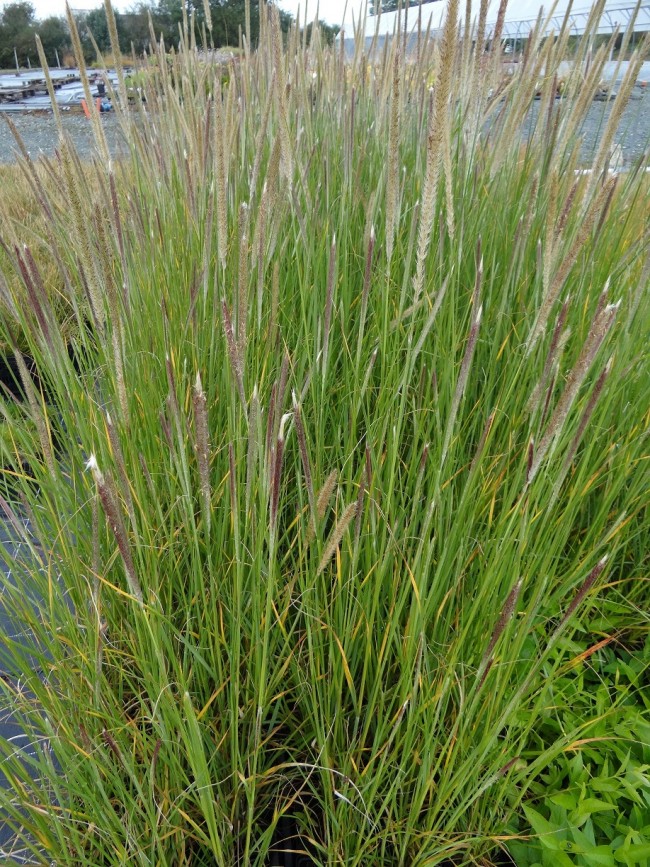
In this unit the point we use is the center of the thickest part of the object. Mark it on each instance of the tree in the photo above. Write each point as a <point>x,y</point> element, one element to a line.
<point>228,16</point>
<point>94,23</point>
<point>135,25</point>
<point>17,33</point>
<point>18,27</point>
<point>17,17</point>
<point>393,5</point>
<point>378,6</point>
<point>54,36</point>
<point>132,31</point>
<point>329,32</point>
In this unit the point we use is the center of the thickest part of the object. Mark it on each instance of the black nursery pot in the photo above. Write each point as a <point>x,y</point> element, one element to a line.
<point>12,390</point>
<point>12,631</point>
<point>11,385</point>
<point>12,673</point>
<point>289,848</point>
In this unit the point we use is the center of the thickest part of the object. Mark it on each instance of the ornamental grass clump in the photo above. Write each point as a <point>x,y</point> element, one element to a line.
<point>339,441</point>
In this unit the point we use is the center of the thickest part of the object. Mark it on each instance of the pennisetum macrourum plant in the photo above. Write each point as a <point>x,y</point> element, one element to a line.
<point>340,423</point>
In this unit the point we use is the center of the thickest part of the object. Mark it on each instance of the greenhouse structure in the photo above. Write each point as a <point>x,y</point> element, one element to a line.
<point>520,17</point>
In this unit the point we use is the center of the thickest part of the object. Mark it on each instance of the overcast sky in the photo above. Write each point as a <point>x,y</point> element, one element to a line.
<point>329,10</point>
<point>45,8</point>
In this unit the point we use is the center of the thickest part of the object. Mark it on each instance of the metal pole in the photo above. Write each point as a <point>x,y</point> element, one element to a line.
<point>58,62</point>
<point>16,58</point>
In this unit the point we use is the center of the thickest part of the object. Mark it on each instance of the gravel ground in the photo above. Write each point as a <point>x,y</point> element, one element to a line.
<point>633,133</point>
<point>38,132</point>
<point>40,137</point>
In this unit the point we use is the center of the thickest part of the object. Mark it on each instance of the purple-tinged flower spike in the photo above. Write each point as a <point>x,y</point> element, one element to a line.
<point>242,277</point>
<point>584,421</point>
<point>557,341</point>
<point>254,412</point>
<point>112,512</point>
<point>116,449</point>
<point>233,352</point>
<point>368,271</point>
<point>547,399</point>
<point>172,399</point>
<point>202,446</point>
<point>505,617</point>
<point>423,458</point>
<point>600,202</point>
<point>282,387</point>
<point>587,584</point>
<point>117,222</point>
<point>324,497</point>
<point>529,458</point>
<point>392,182</point>
<point>337,534</point>
<point>276,475</point>
<point>36,293</point>
<point>325,493</point>
<point>600,326</point>
<point>38,416</point>
<point>304,458</point>
<point>166,429</point>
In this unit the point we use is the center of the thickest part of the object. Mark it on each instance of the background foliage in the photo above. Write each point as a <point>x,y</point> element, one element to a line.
<point>18,28</point>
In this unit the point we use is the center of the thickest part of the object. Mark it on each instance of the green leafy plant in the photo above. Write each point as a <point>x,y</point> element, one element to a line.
<point>592,804</point>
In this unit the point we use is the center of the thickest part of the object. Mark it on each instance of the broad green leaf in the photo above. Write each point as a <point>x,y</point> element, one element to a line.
<point>591,854</point>
<point>547,833</point>
<point>556,859</point>
<point>632,792</point>
<point>633,853</point>
<point>586,807</point>
<point>605,784</point>
<point>601,855</point>
<point>564,799</point>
